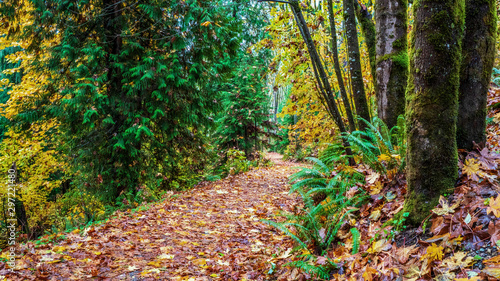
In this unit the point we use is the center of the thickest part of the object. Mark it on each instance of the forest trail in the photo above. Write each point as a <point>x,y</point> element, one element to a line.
<point>213,232</point>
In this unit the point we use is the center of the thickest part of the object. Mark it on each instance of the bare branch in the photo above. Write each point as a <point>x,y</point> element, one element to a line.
<point>279,1</point>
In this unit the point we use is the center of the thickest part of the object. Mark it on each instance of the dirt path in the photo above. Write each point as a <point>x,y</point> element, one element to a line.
<point>209,233</point>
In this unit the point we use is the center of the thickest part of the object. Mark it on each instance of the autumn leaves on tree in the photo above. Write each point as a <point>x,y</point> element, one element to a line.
<point>440,75</point>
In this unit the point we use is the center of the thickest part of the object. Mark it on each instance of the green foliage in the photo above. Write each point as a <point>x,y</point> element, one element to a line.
<point>495,76</point>
<point>397,224</point>
<point>355,240</point>
<point>317,225</point>
<point>307,265</point>
<point>6,78</point>
<point>236,162</point>
<point>133,91</point>
<point>245,119</point>
<point>382,149</point>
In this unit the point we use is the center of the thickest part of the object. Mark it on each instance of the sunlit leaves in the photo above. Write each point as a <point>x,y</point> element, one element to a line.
<point>494,206</point>
<point>433,252</point>
<point>471,168</point>
<point>445,208</point>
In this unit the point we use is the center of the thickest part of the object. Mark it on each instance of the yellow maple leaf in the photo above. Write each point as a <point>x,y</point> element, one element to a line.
<point>458,260</point>
<point>494,207</point>
<point>377,246</point>
<point>207,23</point>
<point>433,252</point>
<point>58,249</point>
<point>496,118</point>
<point>369,273</point>
<point>155,263</point>
<point>384,157</point>
<point>376,189</point>
<point>475,278</point>
<point>471,167</point>
<point>445,208</point>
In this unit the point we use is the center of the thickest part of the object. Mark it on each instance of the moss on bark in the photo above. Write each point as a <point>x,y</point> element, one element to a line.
<point>357,84</point>
<point>478,55</point>
<point>368,30</point>
<point>432,104</point>
<point>392,59</point>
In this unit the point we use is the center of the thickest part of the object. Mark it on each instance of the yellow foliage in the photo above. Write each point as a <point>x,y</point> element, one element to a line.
<point>293,71</point>
<point>33,151</point>
<point>433,252</point>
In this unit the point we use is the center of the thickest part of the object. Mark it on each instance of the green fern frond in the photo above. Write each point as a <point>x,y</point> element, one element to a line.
<point>355,240</point>
<point>286,231</point>
<point>313,270</point>
<point>319,164</point>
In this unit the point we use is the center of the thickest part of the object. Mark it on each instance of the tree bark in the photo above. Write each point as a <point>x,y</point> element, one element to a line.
<point>392,59</point>
<point>357,85</point>
<point>338,73</point>
<point>369,32</point>
<point>432,104</point>
<point>326,92</point>
<point>478,55</point>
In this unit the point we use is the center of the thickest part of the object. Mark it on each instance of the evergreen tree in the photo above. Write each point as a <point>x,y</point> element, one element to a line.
<point>6,80</point>
<point>245,113</point>
<point>245,104</point>
<point>130,91</point>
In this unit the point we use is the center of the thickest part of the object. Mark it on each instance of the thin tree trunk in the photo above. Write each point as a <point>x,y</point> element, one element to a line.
<point>336,63</point>
<point>392,59</point>
<point>321,77</point>
<point>369,32</point>
<point>432,104</point>
<point>357,85</point>
<point>478,55</point>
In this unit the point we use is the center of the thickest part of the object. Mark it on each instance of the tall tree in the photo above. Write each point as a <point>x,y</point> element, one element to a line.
<point>357,84</point>
<point>392,59</point>
<point>336,66</point>
<point>432,103</point>
<point>244,117</point>
<point>130,93</point>
<point>478,55</point>
<point>369,32</point>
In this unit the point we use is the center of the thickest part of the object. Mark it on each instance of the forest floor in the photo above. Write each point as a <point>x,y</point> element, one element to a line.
<point>210,232</point>
<point>215,232</point>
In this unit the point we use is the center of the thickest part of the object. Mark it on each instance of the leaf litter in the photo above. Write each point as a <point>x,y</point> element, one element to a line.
<point>215,232</point>
<point>212,232</point>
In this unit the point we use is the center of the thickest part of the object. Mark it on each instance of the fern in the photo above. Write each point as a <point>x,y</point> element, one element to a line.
<point>282,227</point>
<point>317,225</point>
<point>355,240</point>
<point>321,272</point>
<point>377,140</point>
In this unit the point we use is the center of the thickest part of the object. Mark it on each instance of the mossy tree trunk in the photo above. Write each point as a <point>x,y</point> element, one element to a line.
<point>369,32</point>
<point>478,55</point>
<point>357,85</point>
<point>432,104</point>
<point>392,59</point>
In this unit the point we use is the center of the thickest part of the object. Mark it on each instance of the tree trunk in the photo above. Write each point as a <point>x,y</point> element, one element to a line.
<point>392,59</point>
<point>326,92</point>
<point>369,32</point>
<point>432,104</point>
<point>357,85</point>
<point>336,64</point>
<point>478,55</point>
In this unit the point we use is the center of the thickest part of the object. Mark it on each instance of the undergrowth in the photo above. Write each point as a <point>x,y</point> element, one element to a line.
<point>331,195</point>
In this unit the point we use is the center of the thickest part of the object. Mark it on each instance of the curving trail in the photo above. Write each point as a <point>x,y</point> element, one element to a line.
<point>212,232</point>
